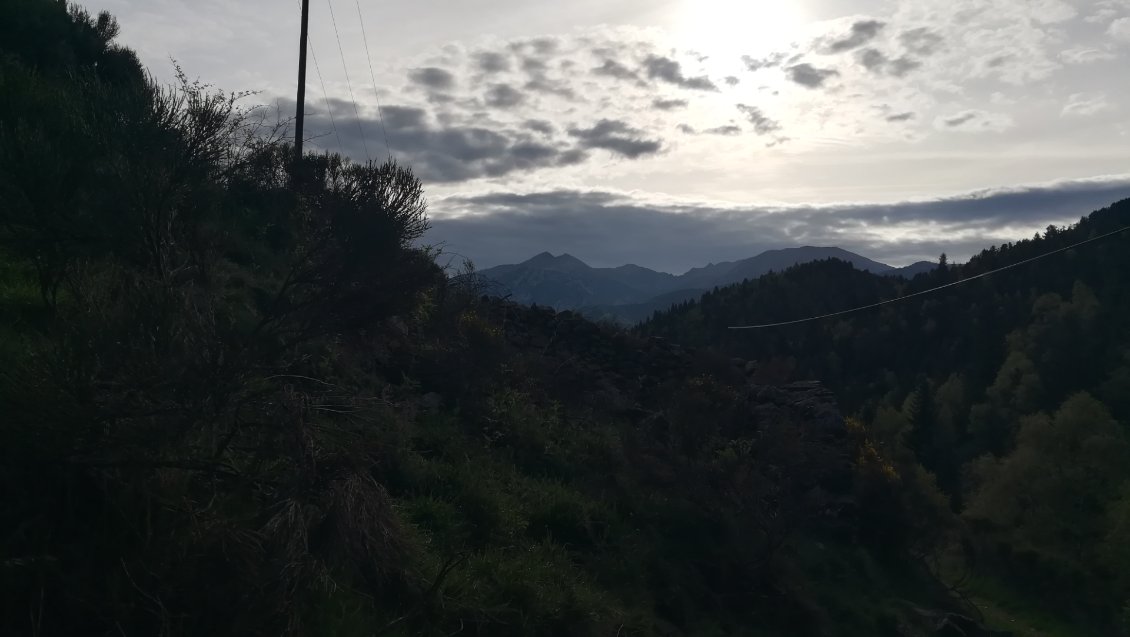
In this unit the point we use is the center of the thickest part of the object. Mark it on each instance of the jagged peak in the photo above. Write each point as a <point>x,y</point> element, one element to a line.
<point>544,256</point>
<point>564,261</point>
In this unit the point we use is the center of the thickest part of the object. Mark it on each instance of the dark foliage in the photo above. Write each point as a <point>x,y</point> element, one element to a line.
<point>972,384</point>
<point>238,398</point>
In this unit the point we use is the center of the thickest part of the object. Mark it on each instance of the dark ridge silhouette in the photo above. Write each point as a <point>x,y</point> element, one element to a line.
<point>237,397</point>
<point>630,292</point>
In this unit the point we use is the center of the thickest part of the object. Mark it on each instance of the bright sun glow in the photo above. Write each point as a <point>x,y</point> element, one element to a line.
<point>727,27</point>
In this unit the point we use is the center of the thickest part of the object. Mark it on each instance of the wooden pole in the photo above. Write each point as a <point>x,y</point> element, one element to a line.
<point>300,109</point>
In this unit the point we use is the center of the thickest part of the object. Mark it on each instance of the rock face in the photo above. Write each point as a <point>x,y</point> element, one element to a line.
<point>814,402</point>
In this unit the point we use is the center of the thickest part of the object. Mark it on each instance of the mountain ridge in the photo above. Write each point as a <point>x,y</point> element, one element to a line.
<point>630,292</point>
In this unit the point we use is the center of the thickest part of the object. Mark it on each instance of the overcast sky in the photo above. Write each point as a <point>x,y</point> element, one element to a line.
<point>672,133</point>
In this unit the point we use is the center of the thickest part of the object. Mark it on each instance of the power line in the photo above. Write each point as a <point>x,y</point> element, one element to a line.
<point>935,289</point>
<point>325,96</point>
<point>373,76</point>
<point>356,111</point>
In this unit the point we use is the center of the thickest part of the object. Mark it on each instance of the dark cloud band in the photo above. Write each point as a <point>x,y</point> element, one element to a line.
<point>508,228</point>
<point>617,136</point>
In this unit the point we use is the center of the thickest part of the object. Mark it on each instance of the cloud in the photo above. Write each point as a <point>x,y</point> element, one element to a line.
<point>534,65</point>
<point>401,117</point>
<point>862,32</point>
<point>727,130</point>
<point>510,228</point>
<point>1120,30</point>
<point>1082,105</point>
<point>732,80</point>
<point>762,125</point>
<point>1052,11</point>
<point>504,96</point>
<point>572,83</point>
<point>433,78</point>
<point>901,66</point>
<point>959,120</point>
<point>768,62</point>
<point>1086,55</point>
<point>440,153</point>
<point>876,61</point>
<point>667,70</point>
<point>974,121</point>
<point>612,68</point>
<point>540,126</point>
<point>921,41</point>
<point>676,236</point>
<point>998,61</point>
<point>873,60</point>
<point>668,104</point>
<point>901,117</point>
<point>492,62</point>
<point>1103,11</point>
<point>537,68</point>
<point>542,84</point>
<point>543,46</point>
<point>617,136</point>
<point>537,59</point>
<point>809,76</point>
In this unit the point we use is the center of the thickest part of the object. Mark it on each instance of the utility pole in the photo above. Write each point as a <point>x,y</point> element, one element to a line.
<point>300,109</point>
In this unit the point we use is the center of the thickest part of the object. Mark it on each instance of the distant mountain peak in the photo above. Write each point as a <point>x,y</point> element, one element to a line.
<point>562,263</point>
<point>565,282</point>
<point>806,248</point>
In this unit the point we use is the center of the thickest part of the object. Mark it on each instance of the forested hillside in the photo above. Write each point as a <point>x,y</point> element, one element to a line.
<point>1011,391</point>
<point>236,398</point>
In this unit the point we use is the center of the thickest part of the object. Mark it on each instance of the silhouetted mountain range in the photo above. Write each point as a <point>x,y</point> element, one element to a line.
<point>631,293</point>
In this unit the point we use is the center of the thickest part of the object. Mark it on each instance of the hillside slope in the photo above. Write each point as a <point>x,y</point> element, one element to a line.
<point>982,384</point>
<point>238,400</point>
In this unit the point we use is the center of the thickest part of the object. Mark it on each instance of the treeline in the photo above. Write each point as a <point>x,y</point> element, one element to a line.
<point>1012,392</point>
<point>236,398</point>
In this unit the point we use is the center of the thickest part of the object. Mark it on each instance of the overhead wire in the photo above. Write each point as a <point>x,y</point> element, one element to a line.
<point>321,81</point>
<point>373,77</point>
<point>348,83</point>
<point>931,290</point>
<point>325,94</point>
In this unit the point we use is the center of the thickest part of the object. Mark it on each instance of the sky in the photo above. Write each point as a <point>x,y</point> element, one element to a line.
<point>673,133</point>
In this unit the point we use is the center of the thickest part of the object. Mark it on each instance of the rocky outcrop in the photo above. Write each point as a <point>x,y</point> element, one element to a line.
<point>815,403</point>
